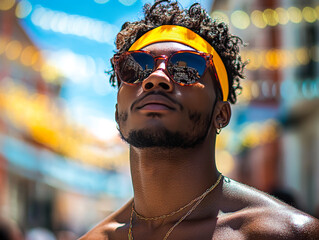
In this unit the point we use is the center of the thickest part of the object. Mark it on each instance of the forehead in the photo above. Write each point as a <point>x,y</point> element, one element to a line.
<point>165,48</point>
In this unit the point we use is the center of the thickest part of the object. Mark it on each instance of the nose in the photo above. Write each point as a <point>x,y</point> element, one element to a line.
<point>158,79</point>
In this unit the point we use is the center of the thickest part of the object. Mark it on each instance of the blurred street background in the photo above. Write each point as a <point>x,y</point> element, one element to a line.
<point>63,167</point>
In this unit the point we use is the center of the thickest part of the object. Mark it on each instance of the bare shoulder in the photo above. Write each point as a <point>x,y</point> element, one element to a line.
<point>260,216</point>
<point>280,223</point>
<point>114,226</point>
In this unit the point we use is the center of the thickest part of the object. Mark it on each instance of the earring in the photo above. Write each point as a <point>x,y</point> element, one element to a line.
<point>218,130</point>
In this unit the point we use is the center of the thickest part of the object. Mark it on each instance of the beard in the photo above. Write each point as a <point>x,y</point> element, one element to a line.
<point>164,138</point>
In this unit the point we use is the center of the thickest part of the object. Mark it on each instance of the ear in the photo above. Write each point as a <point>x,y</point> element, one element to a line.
<point>116,114</point>
<point>222,114</point>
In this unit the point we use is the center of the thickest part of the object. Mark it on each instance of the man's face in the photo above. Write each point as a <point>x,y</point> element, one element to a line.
<point>161,113</point>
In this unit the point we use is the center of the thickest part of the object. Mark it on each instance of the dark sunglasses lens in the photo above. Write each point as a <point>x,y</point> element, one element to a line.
<point>186,68</point>
<point>135,67</point>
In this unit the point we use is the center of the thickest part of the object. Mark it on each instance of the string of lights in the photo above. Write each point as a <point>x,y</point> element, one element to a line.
<point>289,90</point>
<point>29,56</point>
<point>62,22</point>
<point>268,17</point>
<point>273,59</point>
<point>54,66</point>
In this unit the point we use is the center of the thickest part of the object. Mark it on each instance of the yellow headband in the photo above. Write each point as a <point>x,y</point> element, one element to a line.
<point>174,33</point>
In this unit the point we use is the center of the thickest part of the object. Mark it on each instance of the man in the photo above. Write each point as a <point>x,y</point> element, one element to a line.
<point>177,71</point>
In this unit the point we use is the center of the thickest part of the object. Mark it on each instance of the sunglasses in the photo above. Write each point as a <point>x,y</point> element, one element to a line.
<point>183,67</point>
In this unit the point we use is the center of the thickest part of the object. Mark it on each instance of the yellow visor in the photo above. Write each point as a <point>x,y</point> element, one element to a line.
<point>174,33</point>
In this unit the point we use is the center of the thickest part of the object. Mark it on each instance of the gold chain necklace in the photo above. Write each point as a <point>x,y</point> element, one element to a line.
<point>197,201</point>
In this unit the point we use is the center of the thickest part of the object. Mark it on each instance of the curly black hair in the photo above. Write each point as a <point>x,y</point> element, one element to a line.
<point>166,12</point>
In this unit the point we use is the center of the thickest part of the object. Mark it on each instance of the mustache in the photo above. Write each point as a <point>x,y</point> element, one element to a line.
<point>157,93</point>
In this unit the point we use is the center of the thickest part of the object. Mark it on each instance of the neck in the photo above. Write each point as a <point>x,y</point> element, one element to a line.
<point>166,179</point>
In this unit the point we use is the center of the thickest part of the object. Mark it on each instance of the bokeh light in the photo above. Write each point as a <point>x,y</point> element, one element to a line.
<point>309,14</point>
<point>283,16</point>
<point>270,17</point>
<point>258,19</point>
<point>81,26</point>
<point>255,90</point>
<point>240,19</point>
<point>295,15</point>
<point>220,16</point>
<point>6,4</point>
<point>246,96</point>
<point>302,55</point>
<point>13,50</point>
<point>27,54</point>
<point>127,2</point>
<point>23,9</point>
<point>37,61</point>
<point>225,162</point>
<point>101,1</point>
<point>273,59</point>
<point>49,73</point>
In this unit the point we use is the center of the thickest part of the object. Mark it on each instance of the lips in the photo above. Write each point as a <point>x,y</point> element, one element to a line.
<point>155,103</point>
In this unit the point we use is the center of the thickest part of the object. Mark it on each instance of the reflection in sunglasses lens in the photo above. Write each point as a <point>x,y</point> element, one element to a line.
<point>185,67</point>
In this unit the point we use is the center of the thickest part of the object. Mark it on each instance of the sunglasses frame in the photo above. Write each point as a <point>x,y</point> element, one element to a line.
<point>208,59</point>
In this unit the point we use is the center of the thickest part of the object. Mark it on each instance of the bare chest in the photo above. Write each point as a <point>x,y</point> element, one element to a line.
<point>209,230</point>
